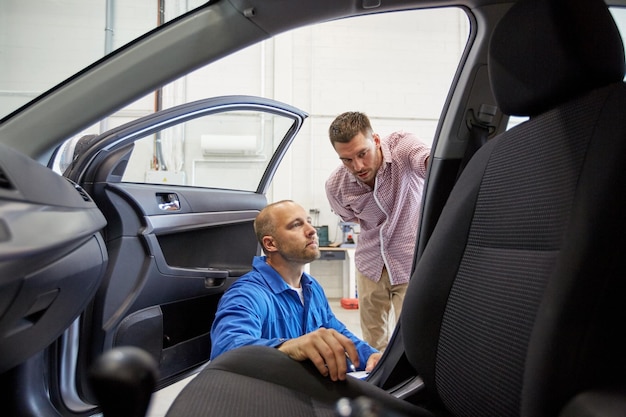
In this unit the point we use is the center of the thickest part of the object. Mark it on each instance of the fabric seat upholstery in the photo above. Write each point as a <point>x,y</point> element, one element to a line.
<point>516,307</point>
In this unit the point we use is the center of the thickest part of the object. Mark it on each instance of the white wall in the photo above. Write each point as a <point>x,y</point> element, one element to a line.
<point>395,67</point>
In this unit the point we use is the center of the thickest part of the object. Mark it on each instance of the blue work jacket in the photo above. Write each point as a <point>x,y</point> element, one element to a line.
<point>261,309</point>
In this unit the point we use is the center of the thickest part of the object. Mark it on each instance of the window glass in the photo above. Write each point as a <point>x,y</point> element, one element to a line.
<point>43,42</point>
<point>619,14</point>
<point>228,150</point>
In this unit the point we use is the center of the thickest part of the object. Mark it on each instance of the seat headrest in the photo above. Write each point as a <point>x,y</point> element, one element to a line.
<point>545,52</point>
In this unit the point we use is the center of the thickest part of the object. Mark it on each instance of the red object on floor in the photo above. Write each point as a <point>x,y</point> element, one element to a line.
<point>350,303</point>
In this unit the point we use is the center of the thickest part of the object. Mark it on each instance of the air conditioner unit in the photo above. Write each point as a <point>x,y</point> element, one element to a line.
<point>230,145</point>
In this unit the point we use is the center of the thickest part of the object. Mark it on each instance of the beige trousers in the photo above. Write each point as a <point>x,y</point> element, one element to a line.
<point>380,304</point>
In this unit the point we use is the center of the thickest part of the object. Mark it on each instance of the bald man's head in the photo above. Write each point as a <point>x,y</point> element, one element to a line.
<point>265,222</point>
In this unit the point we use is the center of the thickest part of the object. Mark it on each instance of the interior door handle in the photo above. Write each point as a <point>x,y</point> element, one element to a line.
<point>168,201</point>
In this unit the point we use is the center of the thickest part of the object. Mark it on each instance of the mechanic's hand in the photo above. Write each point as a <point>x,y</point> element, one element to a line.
<point>372,361</point>
<point>326,348</point>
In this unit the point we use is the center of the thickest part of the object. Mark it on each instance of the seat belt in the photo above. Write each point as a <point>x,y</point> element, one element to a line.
<point>480,127</point>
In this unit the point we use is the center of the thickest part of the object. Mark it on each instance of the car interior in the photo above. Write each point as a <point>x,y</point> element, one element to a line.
<point>515,305</point>
<point>505,315</point>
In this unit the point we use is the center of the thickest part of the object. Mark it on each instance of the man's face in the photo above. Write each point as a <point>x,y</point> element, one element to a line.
<point>295,237</point>
<point>361,156</point>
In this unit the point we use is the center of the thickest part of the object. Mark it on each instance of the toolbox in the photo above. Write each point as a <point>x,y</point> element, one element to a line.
<point>350,303</point>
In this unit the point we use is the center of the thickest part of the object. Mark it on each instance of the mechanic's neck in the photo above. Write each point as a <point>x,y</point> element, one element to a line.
<point>291,272</point>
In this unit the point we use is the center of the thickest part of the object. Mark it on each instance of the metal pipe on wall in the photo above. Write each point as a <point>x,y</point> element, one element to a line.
<point>109,34</point>
<point>158,159</point>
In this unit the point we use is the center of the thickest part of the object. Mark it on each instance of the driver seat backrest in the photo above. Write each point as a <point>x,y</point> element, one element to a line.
<point>516,306</point>
<point>525,314</point>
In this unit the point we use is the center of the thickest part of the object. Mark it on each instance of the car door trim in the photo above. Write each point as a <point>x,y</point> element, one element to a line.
<point>173,223</point>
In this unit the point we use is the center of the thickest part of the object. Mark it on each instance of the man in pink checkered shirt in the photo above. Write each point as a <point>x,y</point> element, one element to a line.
<point>379,186</point>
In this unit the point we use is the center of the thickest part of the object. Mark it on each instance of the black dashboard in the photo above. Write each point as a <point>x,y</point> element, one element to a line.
<point>52,255</point>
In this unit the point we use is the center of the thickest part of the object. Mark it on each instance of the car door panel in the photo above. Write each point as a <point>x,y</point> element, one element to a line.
<point>169,268</point>
<point>191,259</point>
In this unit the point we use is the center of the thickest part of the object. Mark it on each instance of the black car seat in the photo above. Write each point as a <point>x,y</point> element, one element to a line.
<point>517,306</point>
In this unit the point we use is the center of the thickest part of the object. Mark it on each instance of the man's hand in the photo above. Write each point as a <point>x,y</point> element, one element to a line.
<point>326,348</point>
<point>372,361</point>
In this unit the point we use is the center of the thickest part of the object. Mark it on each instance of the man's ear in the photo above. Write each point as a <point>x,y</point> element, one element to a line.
<point>376,138</point>
<point>268,244</point>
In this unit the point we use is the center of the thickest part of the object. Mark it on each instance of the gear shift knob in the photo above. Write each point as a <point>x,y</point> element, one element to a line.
<point>122,380</point>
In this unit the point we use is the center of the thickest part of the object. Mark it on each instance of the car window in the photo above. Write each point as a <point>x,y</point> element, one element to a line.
<point>44,42</point>
<point>619,15</point>
<point>229,150</point>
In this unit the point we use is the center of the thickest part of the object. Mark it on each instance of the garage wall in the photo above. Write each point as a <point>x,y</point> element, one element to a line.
<point>395,67</point>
